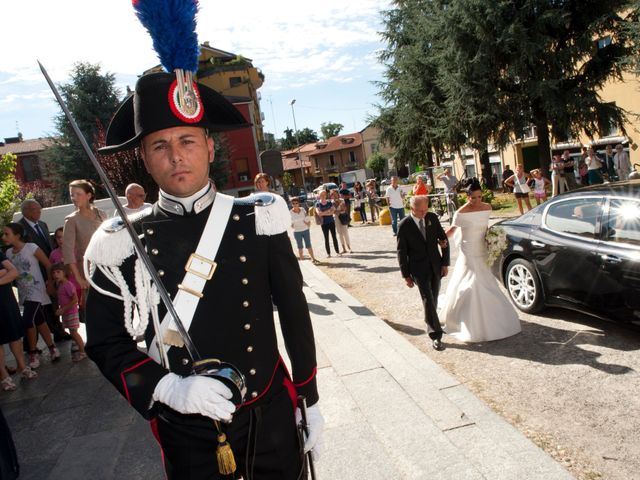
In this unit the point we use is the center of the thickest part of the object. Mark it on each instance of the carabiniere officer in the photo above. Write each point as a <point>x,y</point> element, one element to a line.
<point>230,270</point>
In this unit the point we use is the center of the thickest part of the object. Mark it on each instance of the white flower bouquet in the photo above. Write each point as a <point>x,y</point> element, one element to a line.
<point>496,239</point>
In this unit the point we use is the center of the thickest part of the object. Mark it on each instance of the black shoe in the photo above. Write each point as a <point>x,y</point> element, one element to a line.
<point>437,344</point>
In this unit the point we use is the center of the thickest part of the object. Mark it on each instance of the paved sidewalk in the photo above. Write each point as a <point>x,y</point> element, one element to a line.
<point>391,413</point>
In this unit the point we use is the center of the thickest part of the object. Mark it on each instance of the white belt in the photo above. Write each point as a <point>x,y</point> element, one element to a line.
<point>199,269</point>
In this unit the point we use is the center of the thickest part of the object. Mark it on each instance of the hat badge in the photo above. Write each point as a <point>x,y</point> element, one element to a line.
<point>184,98</point>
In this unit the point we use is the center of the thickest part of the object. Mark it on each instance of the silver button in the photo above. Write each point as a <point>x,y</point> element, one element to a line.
<point>236,217</point>
<point>154,251</point>
<point>254,394</point>
<point>149,231</point>
<point>240,236</point>
<point>245,281</point>
<point>185,361</point>
<point>161,273</point>
<point>243,258</point>
<point>245,304</point>
<point>249,349</point>
<point>252,371</point>
<point>247,326</point>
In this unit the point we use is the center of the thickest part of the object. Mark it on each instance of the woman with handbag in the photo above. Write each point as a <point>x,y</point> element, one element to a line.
<point>300,223</point>
<point>341,217</point>
<point>325,210</point>
<point>360,199</point>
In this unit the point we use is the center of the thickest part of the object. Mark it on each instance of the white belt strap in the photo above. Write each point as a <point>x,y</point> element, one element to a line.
<point>199,269</point>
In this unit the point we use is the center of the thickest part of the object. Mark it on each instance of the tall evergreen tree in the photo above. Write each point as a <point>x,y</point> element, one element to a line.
<point>92,99</point>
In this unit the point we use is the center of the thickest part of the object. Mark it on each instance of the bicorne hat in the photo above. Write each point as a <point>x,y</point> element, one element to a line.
<point>156,105</point>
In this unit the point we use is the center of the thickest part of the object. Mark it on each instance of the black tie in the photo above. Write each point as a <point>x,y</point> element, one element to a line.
<point>40,232</point>
<point>423,231</point>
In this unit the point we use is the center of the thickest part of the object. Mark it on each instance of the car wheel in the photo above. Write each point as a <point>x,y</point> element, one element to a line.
<point>523,285</point>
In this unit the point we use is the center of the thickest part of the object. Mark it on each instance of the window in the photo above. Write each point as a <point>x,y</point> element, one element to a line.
<point>317,165</point>
<point>235,81</point>
<point>604,42</point>
<point>242,167</point>
<point>332,161</point>
<point>352,157</point>
<point>31,169</point>
<point>575,217</point>
<point>624,222</point>
<point>470,166</point>
<point>375,148</point>
<point>530,132</point>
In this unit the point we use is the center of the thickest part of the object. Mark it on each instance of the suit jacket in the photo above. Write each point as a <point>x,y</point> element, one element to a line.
<point>415,254</point>
<point>233,321</point>
<point>45,246</point>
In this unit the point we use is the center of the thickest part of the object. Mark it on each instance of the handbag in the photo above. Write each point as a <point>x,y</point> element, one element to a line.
<point>344,218</point>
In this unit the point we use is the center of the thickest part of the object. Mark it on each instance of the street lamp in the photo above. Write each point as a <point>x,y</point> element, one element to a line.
<point>304,186</point>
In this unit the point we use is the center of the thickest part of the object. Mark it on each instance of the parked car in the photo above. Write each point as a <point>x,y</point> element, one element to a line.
<point>325,186</point>
<point>579,250</point>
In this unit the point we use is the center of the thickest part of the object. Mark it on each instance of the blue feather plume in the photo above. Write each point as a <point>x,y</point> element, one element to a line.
<point>172,26</point>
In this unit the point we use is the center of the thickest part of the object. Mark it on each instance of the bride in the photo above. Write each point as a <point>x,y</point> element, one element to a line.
<point>474,307</point>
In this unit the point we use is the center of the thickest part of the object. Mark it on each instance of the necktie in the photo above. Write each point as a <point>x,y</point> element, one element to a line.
<point>40,232</point>
<point>423,231</point>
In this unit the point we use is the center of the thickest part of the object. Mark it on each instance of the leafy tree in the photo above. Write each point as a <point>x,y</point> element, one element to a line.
<point>472,71</point>
<point>92,99</point>
<point>291,139</point>
<point>377,162</point>
<point>287,180</point>
<point>219,169</point>
<point>9,188</point>
<point>330,129</point>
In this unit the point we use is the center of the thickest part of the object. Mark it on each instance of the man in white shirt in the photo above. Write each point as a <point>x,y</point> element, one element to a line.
<point>395,197</point>
<point>450,184</point>
<point>135,199</point>
<point>622,163</point>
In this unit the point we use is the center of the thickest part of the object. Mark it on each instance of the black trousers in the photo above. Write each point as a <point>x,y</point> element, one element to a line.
<point>264,440</point>
<point>326,229</point>
<point>429,287</point>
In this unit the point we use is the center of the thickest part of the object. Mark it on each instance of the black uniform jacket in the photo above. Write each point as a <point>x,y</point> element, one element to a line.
<point>415,254</point>
<point>233,321</point>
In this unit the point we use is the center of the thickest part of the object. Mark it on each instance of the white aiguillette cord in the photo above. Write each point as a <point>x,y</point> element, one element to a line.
<point>199,269</point>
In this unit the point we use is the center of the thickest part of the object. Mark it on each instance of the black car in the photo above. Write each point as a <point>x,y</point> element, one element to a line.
<point>579,250</point>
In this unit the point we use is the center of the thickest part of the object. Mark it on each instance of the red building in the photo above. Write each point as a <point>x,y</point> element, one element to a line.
<point>30,169</point>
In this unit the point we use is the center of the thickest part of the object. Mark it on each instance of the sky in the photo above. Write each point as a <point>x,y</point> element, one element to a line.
<point>323,54</point>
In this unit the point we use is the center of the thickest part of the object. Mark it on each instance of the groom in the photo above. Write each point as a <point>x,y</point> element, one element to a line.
<point>421,262</point>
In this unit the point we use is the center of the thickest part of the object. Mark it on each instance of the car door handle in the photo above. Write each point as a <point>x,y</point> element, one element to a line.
<point>610,258</point>
<point>535,243</point>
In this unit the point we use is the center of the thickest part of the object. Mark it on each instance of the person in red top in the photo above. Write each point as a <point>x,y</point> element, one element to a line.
<point>420,188</point>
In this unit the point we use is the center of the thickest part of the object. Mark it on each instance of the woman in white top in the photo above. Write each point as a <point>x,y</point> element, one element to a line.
<point>341,228</point>
<point>518,181</point>
<point>300,222</point>
<point>32,290</point>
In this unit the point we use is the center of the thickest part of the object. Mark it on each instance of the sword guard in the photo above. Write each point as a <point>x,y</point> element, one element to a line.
<point>226,373</point>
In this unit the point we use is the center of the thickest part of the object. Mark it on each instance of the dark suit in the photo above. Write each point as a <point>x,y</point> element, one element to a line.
<point>233,322</point>
<point>421,260</point>
<point>43,243</point>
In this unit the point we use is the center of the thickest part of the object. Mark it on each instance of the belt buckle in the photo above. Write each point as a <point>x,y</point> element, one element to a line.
<point>211,266</point>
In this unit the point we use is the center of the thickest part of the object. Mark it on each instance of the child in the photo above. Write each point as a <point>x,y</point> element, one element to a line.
<point>32,290</point>
<point>68,308</point>
<point>539,186</point>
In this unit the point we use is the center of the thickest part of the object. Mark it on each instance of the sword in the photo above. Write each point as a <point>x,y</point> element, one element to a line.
<point>225,372</point>
<point>307,466</point>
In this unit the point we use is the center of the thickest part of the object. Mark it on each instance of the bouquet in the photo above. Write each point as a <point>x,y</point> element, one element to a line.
<point>496,239</point>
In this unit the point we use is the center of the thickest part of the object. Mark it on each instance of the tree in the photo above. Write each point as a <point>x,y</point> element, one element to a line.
<point>377,163</point>
<point>293,140</point>
<point>330,129</point>
<point>472,72</point>
<point>9,188</point>
<point>92,99</point>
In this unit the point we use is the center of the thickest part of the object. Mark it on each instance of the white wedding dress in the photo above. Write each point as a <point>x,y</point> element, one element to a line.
<point>474,308</point>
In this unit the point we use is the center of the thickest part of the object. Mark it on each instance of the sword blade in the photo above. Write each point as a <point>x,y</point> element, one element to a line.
<point>139,248</point>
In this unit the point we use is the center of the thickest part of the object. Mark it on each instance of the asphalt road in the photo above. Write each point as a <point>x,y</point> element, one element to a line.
<point>568,381</point>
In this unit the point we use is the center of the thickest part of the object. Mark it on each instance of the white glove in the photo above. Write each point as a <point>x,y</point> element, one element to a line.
<point>315,427</point>
<point>195,394</point>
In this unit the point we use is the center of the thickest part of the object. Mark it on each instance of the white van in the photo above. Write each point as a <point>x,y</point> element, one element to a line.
<point>54,216</point>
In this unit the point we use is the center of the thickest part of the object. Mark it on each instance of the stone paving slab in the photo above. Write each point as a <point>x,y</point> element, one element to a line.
<point>391,413</point>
